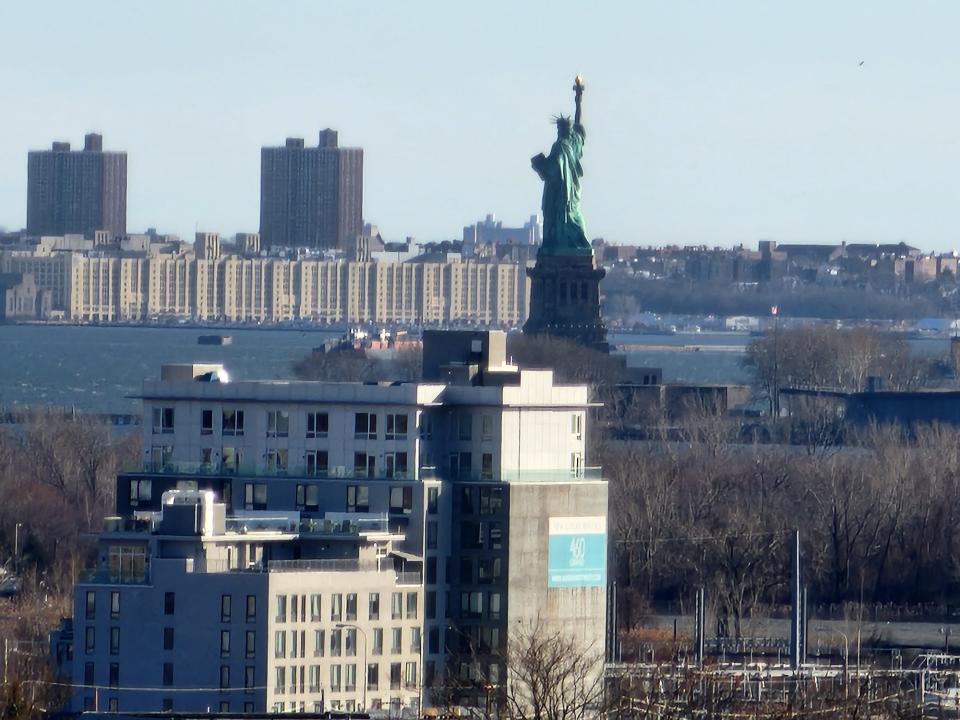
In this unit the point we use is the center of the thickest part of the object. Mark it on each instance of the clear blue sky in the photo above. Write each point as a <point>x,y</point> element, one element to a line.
<point>708,122</point>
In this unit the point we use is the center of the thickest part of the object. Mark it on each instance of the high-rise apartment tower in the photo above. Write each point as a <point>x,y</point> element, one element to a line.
<point>77,191</point>
<point>311,197</point>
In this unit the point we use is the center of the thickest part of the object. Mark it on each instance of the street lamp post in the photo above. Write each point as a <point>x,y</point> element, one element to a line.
<point>846,653</point>
<point>363,675</point>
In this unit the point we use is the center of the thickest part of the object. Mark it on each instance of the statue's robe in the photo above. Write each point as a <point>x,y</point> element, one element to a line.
<point>563,226</point>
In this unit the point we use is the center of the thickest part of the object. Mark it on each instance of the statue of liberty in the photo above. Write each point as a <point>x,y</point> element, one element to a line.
<point>563,227</point>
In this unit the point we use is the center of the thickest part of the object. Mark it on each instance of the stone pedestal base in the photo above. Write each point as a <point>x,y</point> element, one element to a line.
<point>565,300</point>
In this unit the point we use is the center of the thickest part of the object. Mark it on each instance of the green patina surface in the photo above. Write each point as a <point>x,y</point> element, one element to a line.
<point>564,232</point>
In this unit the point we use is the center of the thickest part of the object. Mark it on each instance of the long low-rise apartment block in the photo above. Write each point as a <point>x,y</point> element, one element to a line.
<point>173,281</point>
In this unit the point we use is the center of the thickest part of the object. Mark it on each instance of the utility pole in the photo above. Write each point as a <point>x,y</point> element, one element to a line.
<point>796,601</point>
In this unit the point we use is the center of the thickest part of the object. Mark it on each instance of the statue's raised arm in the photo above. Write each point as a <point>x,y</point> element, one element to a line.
<point>578,98</point>
<point>563,228</point>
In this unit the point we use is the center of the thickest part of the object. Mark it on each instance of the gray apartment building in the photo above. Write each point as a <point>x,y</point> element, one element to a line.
<point>77,191</point>
<point>311,196</point>
<point>296,546</point>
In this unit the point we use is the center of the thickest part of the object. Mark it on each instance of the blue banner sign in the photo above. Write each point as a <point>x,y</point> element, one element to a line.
<point>577,552</point>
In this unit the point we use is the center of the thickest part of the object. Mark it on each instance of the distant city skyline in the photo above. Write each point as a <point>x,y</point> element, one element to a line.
<point>713,124</point>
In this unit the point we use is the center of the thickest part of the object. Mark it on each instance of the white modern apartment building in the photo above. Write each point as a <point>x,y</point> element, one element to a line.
<point>372,539</point>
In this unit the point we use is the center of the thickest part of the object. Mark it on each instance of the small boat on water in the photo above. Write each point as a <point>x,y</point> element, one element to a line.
<point>215,340</point>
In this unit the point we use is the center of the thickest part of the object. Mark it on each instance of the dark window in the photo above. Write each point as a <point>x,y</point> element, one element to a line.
<point>167,704</point>
<point>114,641</point>
<point>431,571</point>
<point>255,496</point>
<point>433,495</point>
<point>233,422</point>
<point>88,673</point>
<point>226,606</point>
<point>396,427</point>
<point>358,498</point>
<point>167,674</point>
<point>318,424</point>
<point>471,535</point>
<point>365,426</point>
<point>224,677</point>
<point>491,500</point>
<point>466,501</point>
<point>114,675</point>
<point>114,604</point>
<point>169,603</point>
<point>168,638</point>
<point>91,608</point>
<point>251,608</point>
<point>206,422</point>
<point>401,500</point>
<point>430,605</point>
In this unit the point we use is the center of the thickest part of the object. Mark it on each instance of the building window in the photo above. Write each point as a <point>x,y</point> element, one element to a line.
<point>249,682</point>
<point>168,638</point>
<point>491,500</point>
<point>396,640</point>
<point>279,644</point>
<point>230,460</point>
<point>169,603</point>
<point>430,605</point>
<point>251,608</point>
<point>114,641</point>
<point>281,605</point>
<point>433,496</point>
<point>576,464</point>
<point>365,426</point>
<point>358,498</point>
<point>396,465</point>
<point>471,604</point>
<point>336,642</point>
<point>255,496</point>
<point>364,465</point>
<point>232,422</point>
<point>88,673</point>
<point>224,643</point>
<point>226,603</point>
<point>486,466</point>
<point>206,422</point>
<point>113,704</point>
<point>278,423</point>
<point>160,457</point>
<point>114,675</point>
<point>373,676</point>
<point>317,463</point>
<point>140,492</point>
<point>471,535</point>
<point>466,501</point>
<point>465,427</point>
<point>277,460</point>
<point>488,571</point>
<point>351,606</point>
<point>377,641</point>
<point>315,607</point>
<point>486,426</point>
<point>396,606</point>
<point>318,643</point>
<point>314,678</point>
<point>336,607</point>
<point>411,606</point>
<point>460,464</point>
<point>432,535</point>
<point>280,680</point>
<point>335,678</point>
<point>426,427</point>
<point>167,674</point>
<point>318,425</point>
<point>91,605</point>
<point>410,675</point>
<point>431,571</point>
<point>163,420</point>
<point>350,679</point>
<point>350,642</point>
<point>396,427</point>
<point>373,606</point>
<point>401,500</point>
<point>395,677</point>
<point>251,644</point>
<point>224,677</point>
<point>496,536</point>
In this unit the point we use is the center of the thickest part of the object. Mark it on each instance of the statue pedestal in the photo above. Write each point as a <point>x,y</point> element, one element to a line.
<point>565,300</point>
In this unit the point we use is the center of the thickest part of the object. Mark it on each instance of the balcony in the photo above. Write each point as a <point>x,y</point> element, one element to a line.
<point>299,471</point>
<point>103,576</point>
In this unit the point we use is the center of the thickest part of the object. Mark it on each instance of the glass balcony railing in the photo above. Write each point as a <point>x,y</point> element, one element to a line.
<point>343,472</point>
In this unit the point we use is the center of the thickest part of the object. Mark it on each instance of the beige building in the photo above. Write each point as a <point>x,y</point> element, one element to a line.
<point>210,285</point>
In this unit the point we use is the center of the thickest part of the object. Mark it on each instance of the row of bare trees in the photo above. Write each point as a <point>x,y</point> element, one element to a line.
<point>879,519</point>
